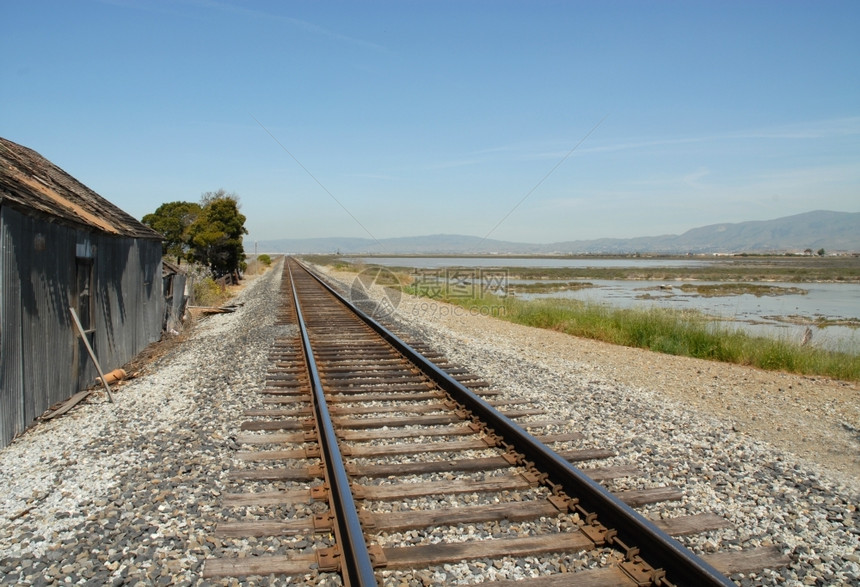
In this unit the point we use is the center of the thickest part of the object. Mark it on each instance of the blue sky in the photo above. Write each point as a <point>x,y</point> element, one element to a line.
<point>420,117</point>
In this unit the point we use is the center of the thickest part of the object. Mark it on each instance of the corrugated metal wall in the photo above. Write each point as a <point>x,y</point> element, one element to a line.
<point>11,361</point>
<point>42,361</point>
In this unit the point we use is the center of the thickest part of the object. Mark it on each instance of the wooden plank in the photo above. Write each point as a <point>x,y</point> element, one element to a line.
<point>367,435</point>
<point>279,474</point>
<point>259,528</point>
<point>562,437</point>
<point>434,554</point>
<point>259,565</point>
<point>86,341</point>
<point>513,511</point>
<point>523,413</point>
<point>385,470</point>
<point>585,454</point>
<point>639,497</point>
<point>606,473</point>
<point>385,397</point>
<point>286,388</point>
<point>384,369</point>
<point>278,413</point>
<point>273,425</point>
<point>283,399</point>
<point>413,448</point>
<point>363,423</point>
<point>409,408</point>
<point>68,404</point>
<point>686,525</point>
<point>382,381</point>
<point>748,561</point>
<point>257,456</point>
<point>285,496</point>
<point>410,490</point>
<point>271,438</point>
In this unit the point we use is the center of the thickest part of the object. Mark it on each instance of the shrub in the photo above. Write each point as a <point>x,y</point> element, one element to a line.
<point>206,292</point>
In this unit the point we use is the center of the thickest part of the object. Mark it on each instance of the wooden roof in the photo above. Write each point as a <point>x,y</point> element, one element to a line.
<point>29,181</point>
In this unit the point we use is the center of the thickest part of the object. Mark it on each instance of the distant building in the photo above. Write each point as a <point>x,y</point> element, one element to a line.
<point>63,246</point>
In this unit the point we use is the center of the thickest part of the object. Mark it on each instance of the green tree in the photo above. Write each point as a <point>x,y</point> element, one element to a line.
<point>173,220</point>
<point>215,236</point>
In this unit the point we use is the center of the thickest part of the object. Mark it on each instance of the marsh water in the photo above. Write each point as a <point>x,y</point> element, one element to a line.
<point>786,315</point>
<point>777,316</point>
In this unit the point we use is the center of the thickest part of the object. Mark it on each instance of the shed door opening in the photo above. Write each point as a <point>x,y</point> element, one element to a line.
<point>84,290</point>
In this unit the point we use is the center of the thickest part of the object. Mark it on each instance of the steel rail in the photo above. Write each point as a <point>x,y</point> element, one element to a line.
<point>356,565</point>
<point>656,547</point>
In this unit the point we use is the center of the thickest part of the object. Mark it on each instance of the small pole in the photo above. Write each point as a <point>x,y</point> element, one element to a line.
<point>90,351</point>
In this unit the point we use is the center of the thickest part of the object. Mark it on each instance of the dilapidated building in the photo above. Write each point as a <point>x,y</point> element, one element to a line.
<point>63,246</point>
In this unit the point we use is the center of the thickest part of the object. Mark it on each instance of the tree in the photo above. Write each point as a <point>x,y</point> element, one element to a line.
<point>215,237</point>
<point>173,220</point>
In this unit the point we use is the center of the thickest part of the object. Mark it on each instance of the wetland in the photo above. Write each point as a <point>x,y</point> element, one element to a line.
<point>805,303</point>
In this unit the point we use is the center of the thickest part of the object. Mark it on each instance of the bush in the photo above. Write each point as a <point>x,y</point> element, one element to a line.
<point>206,292</point>
<point>264,259</point>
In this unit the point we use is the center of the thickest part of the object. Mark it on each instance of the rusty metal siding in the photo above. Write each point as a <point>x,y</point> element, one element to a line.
<point>42,360</point>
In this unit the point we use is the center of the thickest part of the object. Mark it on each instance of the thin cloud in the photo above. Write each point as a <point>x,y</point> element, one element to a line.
<point>296,22</point>
<point>819,129</point>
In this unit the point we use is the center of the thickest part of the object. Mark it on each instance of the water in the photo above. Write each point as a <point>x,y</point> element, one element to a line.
<point>758,315</point>
<point>765,315</point>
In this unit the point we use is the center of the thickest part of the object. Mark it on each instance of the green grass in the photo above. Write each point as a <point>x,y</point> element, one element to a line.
<point>674,332</point>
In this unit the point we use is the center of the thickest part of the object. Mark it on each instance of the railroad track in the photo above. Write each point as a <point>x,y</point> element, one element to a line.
<point>368,464</point>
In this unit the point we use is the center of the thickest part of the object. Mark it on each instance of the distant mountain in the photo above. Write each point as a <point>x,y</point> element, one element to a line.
<point>831,231</point>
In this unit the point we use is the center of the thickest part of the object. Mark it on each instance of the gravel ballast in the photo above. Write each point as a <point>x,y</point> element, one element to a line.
<point>702,426</point>
<point>129,493</point>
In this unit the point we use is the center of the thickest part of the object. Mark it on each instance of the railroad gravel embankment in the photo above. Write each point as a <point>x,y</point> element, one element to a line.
<point>129,493</point>
<point>775,454</point>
